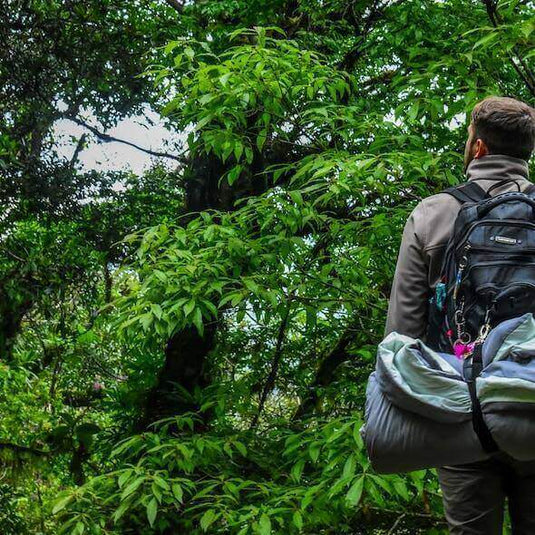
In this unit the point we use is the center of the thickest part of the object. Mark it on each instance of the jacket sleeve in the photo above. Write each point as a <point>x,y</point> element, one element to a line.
<point>408,305</point>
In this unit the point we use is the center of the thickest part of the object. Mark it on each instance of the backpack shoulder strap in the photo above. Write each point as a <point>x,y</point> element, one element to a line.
<point>468,192</point>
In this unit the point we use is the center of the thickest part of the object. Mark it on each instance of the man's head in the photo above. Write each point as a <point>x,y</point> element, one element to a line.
<point>500,125</point>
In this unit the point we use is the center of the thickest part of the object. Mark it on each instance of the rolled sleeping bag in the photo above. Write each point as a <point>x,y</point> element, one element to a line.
<point>418,409</point>
<point>398,440</point>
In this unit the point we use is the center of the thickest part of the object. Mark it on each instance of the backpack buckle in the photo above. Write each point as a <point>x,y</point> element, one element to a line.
<point>483,332</point>
<point>485,328</point>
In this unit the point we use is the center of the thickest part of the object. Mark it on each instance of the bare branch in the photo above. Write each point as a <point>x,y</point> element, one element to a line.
<point>270,382</point>
<point>106,138</point>
<point>77,150</point>
<point>392,530</point>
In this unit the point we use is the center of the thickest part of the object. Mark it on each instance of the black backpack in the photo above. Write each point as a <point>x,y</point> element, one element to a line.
<point>488,271</point>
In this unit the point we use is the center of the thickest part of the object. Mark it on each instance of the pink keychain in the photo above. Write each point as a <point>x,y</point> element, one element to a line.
<point>461,350</point>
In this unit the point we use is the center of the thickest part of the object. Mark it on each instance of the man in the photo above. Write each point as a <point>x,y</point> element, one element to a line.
<point>501,139</point>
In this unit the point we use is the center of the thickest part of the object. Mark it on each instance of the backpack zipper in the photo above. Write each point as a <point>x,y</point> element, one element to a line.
<point>451,249</point>
<point>505,222</point>
<point>488,263</point>
<point>475,303</point>
<point>482,249</point>
<point>492,285</point>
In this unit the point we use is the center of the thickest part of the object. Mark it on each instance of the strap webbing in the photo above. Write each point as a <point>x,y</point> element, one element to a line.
<point>472,368</point>
<point>467,192</point>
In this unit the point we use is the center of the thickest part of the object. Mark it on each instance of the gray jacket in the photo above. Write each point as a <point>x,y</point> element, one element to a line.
<point>424,241</point>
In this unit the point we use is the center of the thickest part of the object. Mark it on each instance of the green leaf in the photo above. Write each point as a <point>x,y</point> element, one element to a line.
<point>261,139</point>
<point>491,36</point>
<point>157,310</point>
<point>355,492</point>
<point>132,487</point>
<point>157,491</point>
<point>177,492</point>
<point>234,174</point>
<point>124,477</point>
<point>401,488</point>
<point>208,519</point>
<point>240,447</point>
<point>264,525</point>
<point>161,482</point>
<point>61,504</point>
<point>413,111</point>
<point>349,467</point>
<point>152,511</point>
<point>314,451</point>
<point>189,306</point>
<point>297,519</point>
<point>357,436</point>
<point>146,320</point>
<point>197,321</point>
<point>297,470</point>
<point>374,493</point>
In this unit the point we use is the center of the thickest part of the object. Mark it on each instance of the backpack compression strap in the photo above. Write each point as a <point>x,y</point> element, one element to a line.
<point>471,370</point>
<point>468,192</point>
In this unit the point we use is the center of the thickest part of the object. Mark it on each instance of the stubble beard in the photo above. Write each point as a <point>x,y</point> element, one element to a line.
<point>468,155</point>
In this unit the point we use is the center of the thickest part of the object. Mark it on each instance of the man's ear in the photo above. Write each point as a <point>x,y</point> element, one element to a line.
<point>481,149</point>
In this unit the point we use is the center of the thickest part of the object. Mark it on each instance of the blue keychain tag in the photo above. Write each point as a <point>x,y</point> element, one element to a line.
<point>440,295</point>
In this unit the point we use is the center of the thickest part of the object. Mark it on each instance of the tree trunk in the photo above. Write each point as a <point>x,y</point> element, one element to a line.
<point>10,324</point>
<point>183,372</point>
<point>186,352</point>
<point>325,375</point>
<point>185,355</point>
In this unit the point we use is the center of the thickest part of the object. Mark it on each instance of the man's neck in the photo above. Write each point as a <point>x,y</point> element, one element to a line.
<point>497,167</point>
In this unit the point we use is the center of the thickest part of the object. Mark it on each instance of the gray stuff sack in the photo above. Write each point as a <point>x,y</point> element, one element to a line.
<point>418,409</point>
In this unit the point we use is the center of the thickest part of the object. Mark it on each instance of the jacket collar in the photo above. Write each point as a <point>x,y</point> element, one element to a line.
<point>497,167</point>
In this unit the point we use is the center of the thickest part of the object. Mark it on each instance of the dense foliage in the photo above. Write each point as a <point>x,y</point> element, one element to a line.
<point>186,351</point>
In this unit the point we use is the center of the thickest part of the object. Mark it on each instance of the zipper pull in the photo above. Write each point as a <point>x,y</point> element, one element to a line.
<point>460,268</point>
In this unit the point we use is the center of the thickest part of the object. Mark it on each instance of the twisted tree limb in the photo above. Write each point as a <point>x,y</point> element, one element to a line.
<point>107,138</point>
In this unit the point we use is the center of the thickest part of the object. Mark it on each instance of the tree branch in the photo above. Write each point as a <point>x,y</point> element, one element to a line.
<point>270,382</point>
<point>325,373</point>
<point>77,150</point>
<point>527,77</point>
<point>398,521</point>
<point>176,5</point>
<point>21,449</point>
<point>106,138</point>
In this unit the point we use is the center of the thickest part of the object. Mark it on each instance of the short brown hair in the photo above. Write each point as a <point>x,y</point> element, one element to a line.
<point>506,125</point>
